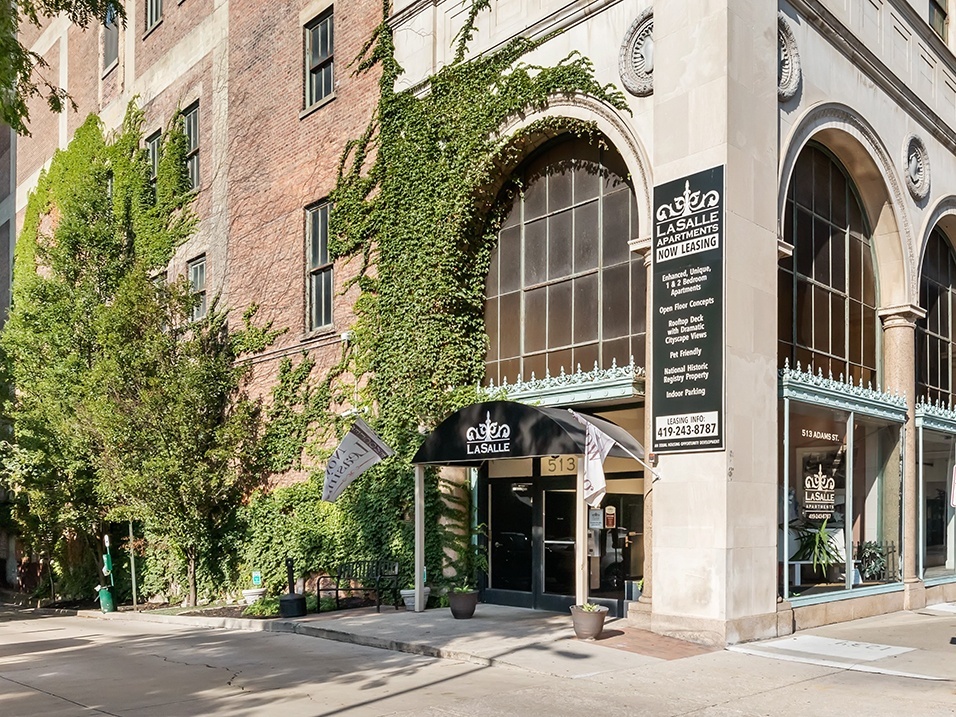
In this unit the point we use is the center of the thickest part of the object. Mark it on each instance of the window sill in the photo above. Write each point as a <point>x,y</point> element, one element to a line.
<point>152,29</point>
<point>109,68</point>
<point>318,105</point>
<point>318,334</point>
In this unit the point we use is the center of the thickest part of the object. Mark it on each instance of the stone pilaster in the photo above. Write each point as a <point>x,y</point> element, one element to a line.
<point>899,373</point>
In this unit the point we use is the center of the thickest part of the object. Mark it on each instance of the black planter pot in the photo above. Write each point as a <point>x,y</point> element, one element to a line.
<point>463,604</point>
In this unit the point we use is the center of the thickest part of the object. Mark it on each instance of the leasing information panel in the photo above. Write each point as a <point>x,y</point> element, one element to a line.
<point>688,314</point>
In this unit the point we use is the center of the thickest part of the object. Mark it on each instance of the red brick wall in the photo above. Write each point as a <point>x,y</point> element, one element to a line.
<point>83,74</point>
<point>178,19</point>
<point>281,163</point>
<point>33,151</point>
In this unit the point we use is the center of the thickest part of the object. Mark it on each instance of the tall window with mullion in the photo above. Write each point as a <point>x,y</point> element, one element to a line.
<point>319,266</point>
<point>318,59</point>
<point>154,13</point>
<point>153,144</point>
<point>110,38</point>
<point>191,128</point>
<point>197,282</point>
<point>935,338</point>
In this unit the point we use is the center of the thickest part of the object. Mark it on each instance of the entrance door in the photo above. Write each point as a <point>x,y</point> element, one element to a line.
<point>531,542</point>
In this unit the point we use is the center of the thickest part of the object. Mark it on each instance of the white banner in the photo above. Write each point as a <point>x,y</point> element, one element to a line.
<point>597,444</point>
<point>359,450</point>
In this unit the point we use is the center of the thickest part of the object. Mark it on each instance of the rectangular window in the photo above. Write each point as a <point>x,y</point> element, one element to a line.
<point>937,17</point>
<point>319,266</point>
<point>110,38</point>
<point>191,128</point>
<point>197,281</point>
<point>154,13</point>
<point>318,59</point>
<point>153,143</point>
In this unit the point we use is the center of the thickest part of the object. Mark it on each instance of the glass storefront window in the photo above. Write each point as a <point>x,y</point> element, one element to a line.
<point>937,515</point>
<point>842,497</point>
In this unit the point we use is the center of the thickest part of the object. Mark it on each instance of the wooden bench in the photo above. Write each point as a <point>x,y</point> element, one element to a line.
<point>365,576</point>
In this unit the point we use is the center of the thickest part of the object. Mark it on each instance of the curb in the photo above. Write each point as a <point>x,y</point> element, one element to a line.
<point>298,628</point>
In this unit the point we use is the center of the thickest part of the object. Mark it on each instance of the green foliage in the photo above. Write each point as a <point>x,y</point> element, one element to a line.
<point>816,545</point>
<point>265,606</point>
<point>24,75</point>
<point>872,559</point>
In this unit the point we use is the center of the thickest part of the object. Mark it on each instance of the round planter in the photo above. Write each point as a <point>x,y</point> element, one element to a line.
<point>409,597</point>
<point>251,596</point>
<point>588,625</point>
<point>463,604</point>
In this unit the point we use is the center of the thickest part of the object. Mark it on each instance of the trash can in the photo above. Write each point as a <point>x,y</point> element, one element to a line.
<point>106,598</point>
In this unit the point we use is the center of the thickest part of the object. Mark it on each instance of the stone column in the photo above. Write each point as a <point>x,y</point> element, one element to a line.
<point>899,374</point>
<point>715,511</point>
<point>640,615</point>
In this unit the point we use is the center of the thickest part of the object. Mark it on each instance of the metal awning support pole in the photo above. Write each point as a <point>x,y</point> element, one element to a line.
<point>419,538</point>
<point>580,539</point>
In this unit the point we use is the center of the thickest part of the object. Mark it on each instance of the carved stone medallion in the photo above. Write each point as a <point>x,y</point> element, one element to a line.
<point>789,73</point>
<point>916,167</point>
<point>636,60</point>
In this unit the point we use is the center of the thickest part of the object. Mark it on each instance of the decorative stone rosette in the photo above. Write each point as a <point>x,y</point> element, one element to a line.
<point>789,73</point>
<point>916,167</point>
<point>636,60</point>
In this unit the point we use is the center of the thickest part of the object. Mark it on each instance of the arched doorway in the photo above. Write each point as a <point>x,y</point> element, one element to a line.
<point>564,292</point>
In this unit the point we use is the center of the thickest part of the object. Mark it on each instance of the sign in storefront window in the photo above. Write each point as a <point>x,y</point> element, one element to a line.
<point>842,499</point>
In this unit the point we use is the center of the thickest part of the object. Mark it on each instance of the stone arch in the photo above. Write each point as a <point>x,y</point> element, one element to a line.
<point>609,122</point>
<point>943,215</point>
<point>873,171</point>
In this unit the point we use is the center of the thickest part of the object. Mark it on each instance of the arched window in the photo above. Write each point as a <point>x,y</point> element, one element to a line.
<point>827,289</point>
<point>934,333</point>
<point>563,288</point>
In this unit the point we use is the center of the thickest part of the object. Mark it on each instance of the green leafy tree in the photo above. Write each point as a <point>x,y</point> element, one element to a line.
<point>23,74</point>
<point>179,437</point>
<point>93,218</point>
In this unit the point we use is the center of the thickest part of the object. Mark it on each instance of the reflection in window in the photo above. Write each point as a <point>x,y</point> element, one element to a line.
<point>563,290</point>
<point>938,524</point>
<point>827,289</point>
<point>934,332</point>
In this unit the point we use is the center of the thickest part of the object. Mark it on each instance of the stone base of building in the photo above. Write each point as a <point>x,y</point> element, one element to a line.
<point>914,595</point>
<point>828,613</point>
<point>937,594</point>
<point>703,631</point>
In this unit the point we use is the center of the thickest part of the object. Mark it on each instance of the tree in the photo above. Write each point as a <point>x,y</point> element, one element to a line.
<point>21,69</point>
<point>93,217</point>
<point>179,437</point>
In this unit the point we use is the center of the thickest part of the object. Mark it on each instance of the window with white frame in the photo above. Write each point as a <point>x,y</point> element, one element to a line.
<point>153,143</point>
<point>191,128</point>
<point>319,266</point>
<point>154,13</point>
<point>197,282</point>
<point>110,38</point>
<point>318,59</point>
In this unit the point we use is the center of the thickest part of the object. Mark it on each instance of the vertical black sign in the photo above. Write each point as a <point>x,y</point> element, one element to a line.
<point>688,317</point>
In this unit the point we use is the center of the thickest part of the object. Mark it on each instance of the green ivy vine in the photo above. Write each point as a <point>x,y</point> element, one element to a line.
<point>418,204</point>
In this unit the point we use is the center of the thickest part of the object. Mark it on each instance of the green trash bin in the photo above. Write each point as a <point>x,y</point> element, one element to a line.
<point>106,599</point>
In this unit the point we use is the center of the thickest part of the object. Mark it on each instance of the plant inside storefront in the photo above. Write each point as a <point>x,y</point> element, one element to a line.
<point>872,559</point>
<point>816,546</point>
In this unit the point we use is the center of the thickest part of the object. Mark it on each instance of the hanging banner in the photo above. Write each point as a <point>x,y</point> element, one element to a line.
<point>597,444</point>
<point>359,450</point>
<point>688,314</point>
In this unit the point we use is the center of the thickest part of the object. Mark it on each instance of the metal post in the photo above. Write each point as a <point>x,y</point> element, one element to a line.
<point>580,540</point>
<point>419,538</point>
<point>132,563</point>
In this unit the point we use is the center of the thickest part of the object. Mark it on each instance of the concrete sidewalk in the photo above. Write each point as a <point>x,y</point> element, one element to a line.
<point>919,645</point>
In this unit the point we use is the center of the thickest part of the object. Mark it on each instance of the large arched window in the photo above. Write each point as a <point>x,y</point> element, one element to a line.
<point>934,333</point>
<point>827,289</point>
<point>563,289</point>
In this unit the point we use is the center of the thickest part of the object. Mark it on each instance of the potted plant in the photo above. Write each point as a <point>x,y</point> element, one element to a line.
<point>816,546</point>
<point>588,620</point>
<point>472,563</point>
<point>408,595</point>
<point>872,560</point>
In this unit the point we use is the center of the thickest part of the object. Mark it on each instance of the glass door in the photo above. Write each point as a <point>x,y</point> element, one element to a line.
<point>557,545</point>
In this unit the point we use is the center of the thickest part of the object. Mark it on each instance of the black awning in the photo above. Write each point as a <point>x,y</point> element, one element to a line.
<point>505,429</point>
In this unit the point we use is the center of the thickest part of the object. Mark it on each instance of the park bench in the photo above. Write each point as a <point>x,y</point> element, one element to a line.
<point>380,576</point>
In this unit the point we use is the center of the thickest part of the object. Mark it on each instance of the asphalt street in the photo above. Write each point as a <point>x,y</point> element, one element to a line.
<point>74,666</point>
